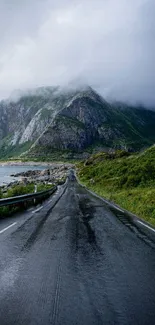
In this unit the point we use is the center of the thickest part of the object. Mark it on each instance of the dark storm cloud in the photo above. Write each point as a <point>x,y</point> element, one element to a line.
<point>109,44</point>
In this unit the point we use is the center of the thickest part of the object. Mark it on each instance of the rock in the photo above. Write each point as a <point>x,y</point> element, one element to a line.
<point>55,173</point>
<point>29,173</point>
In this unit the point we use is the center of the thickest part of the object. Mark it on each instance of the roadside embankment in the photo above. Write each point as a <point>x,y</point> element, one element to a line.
<point>127,180</point>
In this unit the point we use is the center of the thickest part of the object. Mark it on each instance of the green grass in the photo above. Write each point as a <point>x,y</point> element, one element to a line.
<point>16,190</point>
<point>10,151</point>
<point>128,180</point>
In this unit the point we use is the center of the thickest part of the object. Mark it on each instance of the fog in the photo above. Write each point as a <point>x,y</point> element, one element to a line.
<point>107,44</point>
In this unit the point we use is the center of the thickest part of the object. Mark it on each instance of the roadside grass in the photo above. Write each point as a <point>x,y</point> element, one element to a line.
<point>22,189</point>
<point>126,179</point>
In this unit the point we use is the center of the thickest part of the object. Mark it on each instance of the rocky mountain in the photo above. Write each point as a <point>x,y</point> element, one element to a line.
<point>48,121</point>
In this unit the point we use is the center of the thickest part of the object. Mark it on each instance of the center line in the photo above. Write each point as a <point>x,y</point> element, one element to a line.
<point>13,224</point>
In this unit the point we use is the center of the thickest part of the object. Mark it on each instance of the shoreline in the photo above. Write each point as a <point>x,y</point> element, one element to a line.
<point>33,163</point>
<point>34,171</point>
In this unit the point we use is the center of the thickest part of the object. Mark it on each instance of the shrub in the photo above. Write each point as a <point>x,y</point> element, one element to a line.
<point>133,181</point>
<point>122,181</point>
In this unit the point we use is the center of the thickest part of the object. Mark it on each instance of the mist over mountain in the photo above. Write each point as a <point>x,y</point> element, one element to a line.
<point>109,45</point>
<point>49,121</point>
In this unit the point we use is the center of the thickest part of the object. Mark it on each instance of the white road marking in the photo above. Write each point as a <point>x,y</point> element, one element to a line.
<point>37,210</point>
<point>145,225</point>
<point>51,200</point>
<point>118,209</point>
<point>101,198</point>
<point>13,224</point>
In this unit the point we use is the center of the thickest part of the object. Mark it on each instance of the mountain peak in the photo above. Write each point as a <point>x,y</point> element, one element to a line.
<point>71,120</point>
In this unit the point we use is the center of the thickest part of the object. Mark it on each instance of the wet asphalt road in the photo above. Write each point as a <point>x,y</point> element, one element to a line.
<point>77,261</point>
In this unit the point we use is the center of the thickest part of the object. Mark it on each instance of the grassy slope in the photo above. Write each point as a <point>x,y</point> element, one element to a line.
<point>128,180</point>
<point>8,152</point>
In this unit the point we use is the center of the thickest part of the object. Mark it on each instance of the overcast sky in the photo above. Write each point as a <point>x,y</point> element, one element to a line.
<point>108,44</point>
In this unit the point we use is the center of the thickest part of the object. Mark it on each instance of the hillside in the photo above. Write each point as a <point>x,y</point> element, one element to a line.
<point>127,179</point>
<point>48,122</point>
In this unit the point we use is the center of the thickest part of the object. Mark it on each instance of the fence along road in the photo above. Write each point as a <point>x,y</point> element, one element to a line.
<point>26,197</point>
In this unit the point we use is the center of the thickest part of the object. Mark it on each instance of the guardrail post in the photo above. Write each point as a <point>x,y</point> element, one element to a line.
<point>35,191</point>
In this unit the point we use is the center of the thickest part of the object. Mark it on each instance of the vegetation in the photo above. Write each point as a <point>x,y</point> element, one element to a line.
<point>48,154</point>
<point>17,190</point>
<point>7,152</point>
<point>22,189</point>
<point>127,179</point>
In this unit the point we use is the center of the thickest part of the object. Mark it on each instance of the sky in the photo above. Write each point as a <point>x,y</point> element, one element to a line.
<point>107,44</point>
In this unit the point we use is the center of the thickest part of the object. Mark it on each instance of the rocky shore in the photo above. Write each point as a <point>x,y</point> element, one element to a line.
<point>32,163</point>
<point>55,174</point>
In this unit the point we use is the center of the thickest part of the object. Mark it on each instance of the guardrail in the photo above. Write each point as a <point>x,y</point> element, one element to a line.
<point>26,197</point>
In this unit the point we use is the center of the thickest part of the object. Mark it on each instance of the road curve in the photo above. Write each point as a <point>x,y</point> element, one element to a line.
<point>77,261</point>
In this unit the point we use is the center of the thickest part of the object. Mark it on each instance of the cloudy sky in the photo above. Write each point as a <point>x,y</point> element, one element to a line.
<point>108,44</point>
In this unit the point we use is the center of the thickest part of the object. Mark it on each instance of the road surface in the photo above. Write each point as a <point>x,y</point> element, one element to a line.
<point>76,261</point>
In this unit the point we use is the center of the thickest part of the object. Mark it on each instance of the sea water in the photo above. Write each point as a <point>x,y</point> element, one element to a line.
<point>6,171</point>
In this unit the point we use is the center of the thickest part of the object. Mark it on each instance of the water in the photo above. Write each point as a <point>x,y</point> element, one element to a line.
<point>6,171</point>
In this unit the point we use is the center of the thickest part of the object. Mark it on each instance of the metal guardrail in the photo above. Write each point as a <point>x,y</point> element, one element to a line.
<point>26,197</point>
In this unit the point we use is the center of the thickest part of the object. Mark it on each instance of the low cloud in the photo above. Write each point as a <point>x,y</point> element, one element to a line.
<point>108,44</point>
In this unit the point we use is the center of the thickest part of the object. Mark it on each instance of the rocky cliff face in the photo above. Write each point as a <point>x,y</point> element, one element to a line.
<point>50,119</point>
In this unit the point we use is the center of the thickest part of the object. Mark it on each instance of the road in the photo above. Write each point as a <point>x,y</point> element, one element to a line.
<point>76,261</point>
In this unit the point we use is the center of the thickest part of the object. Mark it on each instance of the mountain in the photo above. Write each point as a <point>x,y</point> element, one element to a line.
<point>50,121</point>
